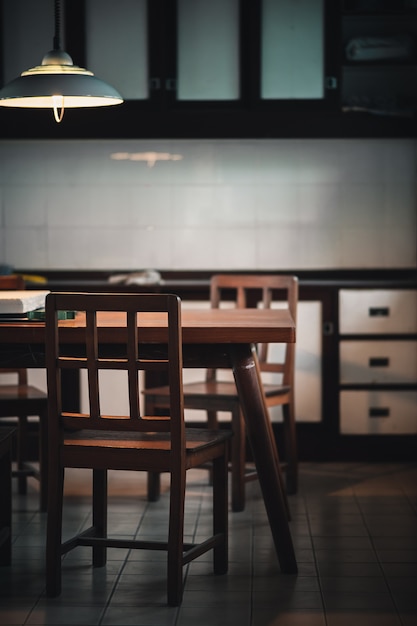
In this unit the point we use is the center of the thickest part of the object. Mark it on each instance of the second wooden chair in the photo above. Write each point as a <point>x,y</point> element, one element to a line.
<point>213,395</point>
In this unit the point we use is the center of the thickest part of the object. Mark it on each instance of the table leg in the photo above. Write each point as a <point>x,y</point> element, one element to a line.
<point>249,385</point>
<point>5,496</point>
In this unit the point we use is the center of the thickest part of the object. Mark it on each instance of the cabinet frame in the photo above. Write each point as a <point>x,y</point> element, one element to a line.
<point>161,116</point>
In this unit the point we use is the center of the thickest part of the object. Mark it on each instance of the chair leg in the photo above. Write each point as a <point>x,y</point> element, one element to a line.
<point>6,502</point>
<point>212,421</point>
<point>100,515</point>
<point>43,461</point>
<point>154,486</point>
<point>212,424</point>
<point>290,442</point>
<point>54,532</point>
<point>154,478</point>
<point>238,460</point>
<point>176,539</point>
<point>220,513</point>
<point>22,454</point>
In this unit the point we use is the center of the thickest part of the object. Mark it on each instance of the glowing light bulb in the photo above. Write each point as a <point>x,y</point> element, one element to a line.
<point>58,104</point>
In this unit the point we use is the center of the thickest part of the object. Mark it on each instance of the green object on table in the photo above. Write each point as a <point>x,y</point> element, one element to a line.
<point>39,314</point>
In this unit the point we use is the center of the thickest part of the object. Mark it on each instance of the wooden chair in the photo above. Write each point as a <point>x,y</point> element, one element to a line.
<point>214,395</point>
<point>132,442</point>
<point>20,400</point>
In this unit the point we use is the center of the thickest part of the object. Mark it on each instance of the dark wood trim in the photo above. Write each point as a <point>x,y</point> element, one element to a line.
<point>161,116</point>
<point>315,443</point>
<point>74,31</point>
<point>1,43</point>
<point>143,120</point>
<point>308,277</point>
<point>250,52</point>
<point>332,51</point>
<point>315,285</point>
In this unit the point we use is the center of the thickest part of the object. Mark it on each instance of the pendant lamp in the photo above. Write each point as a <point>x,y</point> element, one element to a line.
<point>58,84</point>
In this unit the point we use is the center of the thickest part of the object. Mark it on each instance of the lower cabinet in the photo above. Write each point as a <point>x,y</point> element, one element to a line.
<point>377,311</point>
<point>377,362</point>
<point>377,412</point>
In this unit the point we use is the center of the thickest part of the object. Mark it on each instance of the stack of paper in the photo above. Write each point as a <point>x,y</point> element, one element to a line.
<point>21,302</point>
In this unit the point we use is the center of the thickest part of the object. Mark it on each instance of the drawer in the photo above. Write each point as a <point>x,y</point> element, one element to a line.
<point>377,311</point>
<point>378,412</point>
<point>370,362</point>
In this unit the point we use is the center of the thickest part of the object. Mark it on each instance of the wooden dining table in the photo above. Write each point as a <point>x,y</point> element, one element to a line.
<point>220,338</point>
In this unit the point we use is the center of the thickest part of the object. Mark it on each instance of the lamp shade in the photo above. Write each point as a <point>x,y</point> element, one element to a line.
<point>58,84</point>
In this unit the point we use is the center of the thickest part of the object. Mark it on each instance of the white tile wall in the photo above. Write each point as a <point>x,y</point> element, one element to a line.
<point>261,204</point>
<point>248,204</point>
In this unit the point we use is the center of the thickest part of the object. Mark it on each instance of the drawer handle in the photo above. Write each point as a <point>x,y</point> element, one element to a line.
<point>376,361</point>
<point>379,311</point>
<point>379,412</point>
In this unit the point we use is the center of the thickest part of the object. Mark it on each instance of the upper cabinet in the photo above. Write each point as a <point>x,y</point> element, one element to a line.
<point>378,59</point>
<point>209,68</point>
<point>207,51</point>
<point>116,44</point>
<point>292,50</point>
<point>234,52</point>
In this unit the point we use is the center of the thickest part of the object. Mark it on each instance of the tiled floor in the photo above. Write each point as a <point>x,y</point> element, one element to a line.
<point>355,533</point>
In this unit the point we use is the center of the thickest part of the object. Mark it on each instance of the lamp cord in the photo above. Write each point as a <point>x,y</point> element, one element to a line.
<point>58,101</point>
<point>57,38</point>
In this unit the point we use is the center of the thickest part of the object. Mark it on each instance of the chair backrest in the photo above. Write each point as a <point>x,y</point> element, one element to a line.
<point>260,290</point>
<point>92,352</point>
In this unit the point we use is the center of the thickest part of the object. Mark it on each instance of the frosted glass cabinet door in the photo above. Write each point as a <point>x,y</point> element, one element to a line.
<point>117,45</point>
<point>292,49</point>
<point>205,63</point>
<point>208,50</point>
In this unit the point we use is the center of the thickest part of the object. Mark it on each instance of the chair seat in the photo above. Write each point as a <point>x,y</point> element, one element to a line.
<point>276,390</point>
<point>202,388</point>
<point>105,449</point>
<point>196,439</point>
<point>208,390</point>
<point>17,402</point>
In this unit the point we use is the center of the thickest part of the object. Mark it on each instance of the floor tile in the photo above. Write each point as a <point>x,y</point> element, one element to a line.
<point>362,618</point>
<point>354,529</point>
